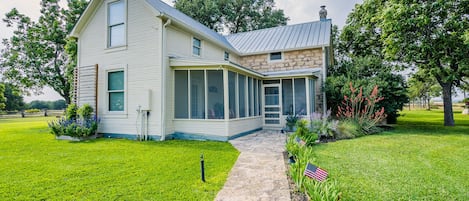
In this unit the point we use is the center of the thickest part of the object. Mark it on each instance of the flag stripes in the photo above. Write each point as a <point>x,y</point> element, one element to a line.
<point>314,172</point>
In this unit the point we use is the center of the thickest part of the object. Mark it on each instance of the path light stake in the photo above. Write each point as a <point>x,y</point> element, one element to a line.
<point>202,169</point>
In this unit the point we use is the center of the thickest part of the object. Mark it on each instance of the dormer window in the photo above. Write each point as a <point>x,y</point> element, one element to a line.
<point>116,23</point>
<point>275,56</point>
<point>227,56</point>
<point>196,46</point>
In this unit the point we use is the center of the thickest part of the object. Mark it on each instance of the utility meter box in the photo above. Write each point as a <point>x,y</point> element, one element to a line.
<point>144,100</point>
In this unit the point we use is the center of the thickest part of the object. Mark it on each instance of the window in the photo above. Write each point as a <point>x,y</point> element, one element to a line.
<point>116,90</point>
<point>242,95</point>
<point>294,96</point>
<point>232,94</point>
<point>300,96</point>
<point>181,88</point>
<point>196,46</point>
<point>215,94</point>
<point>275,56</point>
<point>311,96</point>
<point>197,94</point>
<point>227,56</point>
<point>250,97</point>
<point>116,23</point>
<point>287,97</point>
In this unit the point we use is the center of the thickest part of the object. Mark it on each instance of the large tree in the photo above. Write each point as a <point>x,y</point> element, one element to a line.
<point>233,16</point>
<point>359,60</point>
<point>430,36</point>
<point>35,55</point>
<point>2,97</point>
<point>14,98</point>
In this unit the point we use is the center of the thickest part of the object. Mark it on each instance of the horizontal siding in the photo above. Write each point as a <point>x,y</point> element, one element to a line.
<point>141,57</point>
<point>244,125</point>
<point>202,127</point>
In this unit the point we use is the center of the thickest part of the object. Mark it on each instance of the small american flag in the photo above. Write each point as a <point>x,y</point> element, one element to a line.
<point>300,141</point>
<point>314,172</point>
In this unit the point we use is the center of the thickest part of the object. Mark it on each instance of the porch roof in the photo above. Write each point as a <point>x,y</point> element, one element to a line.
<point>194,62</point>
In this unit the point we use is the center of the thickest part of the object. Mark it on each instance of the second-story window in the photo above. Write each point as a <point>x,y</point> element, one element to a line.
<point>116,23</point>
<point>275,56</point>
<point>227,56</point>
<point>196,46</point>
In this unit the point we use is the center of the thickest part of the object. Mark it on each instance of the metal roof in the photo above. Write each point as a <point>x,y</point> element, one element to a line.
<point>284,38</point>
<point>190,23</point>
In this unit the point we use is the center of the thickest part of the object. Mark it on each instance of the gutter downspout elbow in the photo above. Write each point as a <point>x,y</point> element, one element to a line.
<point>163,78</point>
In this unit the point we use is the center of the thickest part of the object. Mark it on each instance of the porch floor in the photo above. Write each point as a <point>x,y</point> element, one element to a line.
<point>260,172</point>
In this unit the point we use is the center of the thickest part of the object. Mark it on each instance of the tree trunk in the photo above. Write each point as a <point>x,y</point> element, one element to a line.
<point>428,104</point>
<point>448,104</point>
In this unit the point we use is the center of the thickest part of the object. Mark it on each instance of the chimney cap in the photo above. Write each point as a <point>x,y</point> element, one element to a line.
<point>323,13</point>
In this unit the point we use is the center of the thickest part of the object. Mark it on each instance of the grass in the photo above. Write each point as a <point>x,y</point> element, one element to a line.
<point>35,166</point>
<point>419,160</point>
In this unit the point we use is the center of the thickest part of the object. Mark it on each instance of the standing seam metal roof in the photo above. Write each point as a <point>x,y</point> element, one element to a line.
<point>291,37</point>
<point>298,36</point>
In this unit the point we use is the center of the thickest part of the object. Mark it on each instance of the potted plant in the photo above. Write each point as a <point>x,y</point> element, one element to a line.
<point>78,125</point>
<point>291,122</point>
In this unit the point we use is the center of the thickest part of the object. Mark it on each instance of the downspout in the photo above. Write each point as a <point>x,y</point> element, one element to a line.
<point>163,78</point>
<point>324,74</point>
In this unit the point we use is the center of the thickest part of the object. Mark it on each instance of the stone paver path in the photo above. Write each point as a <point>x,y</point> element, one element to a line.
<point>260,172</point>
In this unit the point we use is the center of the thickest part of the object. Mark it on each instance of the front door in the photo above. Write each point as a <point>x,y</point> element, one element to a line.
<point>272,109</point>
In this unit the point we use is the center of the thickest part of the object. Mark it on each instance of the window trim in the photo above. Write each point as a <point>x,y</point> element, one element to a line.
<point>276,60</point>
<point>107,70</point>
<point>200,47</point>
<point>108,26</point>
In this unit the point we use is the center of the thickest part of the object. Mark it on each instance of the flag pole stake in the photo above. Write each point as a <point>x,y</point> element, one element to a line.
<point>202,168</point>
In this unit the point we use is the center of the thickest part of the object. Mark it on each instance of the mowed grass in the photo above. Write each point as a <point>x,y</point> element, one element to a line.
<point>35,166</point>
<point>419,160</point>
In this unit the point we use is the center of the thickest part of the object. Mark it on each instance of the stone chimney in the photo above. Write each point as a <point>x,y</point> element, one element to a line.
<point>322,13</point>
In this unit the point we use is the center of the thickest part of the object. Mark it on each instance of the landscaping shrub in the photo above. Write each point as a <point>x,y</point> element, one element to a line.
<point>323,125</point>
<point>32,111</point>
<point>347,129</point>
<point>71,111</point>
<point>303,131</point>
<point>75,127</point>
<point>362,109</point>
<point>85,111</point>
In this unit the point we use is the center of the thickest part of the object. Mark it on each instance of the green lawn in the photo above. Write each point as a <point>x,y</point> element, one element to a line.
<point>419,160</point>
<point>35,166</point>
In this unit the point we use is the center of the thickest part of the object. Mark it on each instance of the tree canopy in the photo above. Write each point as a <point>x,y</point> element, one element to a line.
<point>14,98</point>
<point>233,15</point>
<point>35,55</point>
<point>2,97</point>
<point>430,36</point>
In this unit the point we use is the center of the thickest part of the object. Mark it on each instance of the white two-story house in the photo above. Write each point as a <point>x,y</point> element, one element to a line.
<point>152,72</point>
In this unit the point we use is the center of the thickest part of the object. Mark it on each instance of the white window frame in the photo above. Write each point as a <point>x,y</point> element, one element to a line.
<point>108,70</point>
<point>108,26</point>
<point>276,60</point>
<point>200,47</point>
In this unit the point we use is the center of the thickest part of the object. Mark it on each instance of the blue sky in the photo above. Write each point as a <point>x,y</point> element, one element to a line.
<point>299,11</point>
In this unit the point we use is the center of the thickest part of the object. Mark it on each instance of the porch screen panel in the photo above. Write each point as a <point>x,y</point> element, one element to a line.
<point>312,95</point>
<point>256,98</point>
<point>242,95</point>
<point>232,93</point>
<point>215,95</point>
<point>259,94</point>
<point>300,96</point>
<point>181,100</point>
<point>250,97</point>
<point>287,97</point>
<point>197,94</point>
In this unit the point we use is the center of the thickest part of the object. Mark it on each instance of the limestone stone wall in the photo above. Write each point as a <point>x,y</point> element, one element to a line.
<point>292,60</point>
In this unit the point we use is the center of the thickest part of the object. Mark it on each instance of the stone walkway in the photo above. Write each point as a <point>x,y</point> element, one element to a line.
<point>260,172</point>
